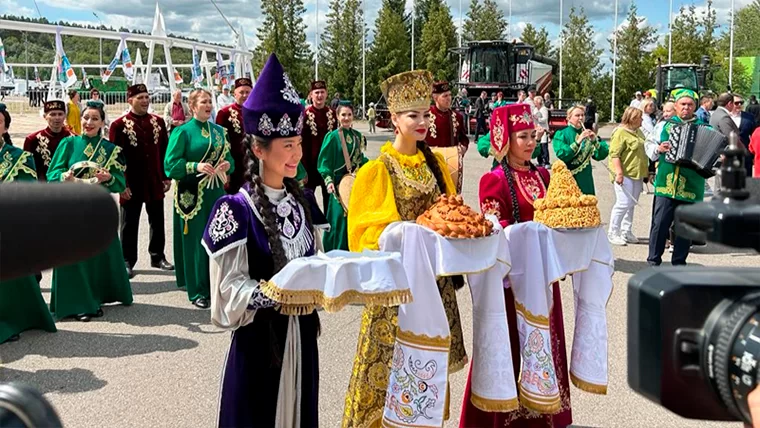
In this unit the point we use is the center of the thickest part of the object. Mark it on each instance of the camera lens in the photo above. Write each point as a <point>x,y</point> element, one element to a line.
<point>732,352</point>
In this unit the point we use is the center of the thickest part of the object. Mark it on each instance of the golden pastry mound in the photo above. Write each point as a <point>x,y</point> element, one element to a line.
<point>564,205</point>
<point>450,217</point>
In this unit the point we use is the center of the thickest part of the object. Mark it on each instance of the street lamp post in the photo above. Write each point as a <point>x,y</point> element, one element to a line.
<point>316,43</point>
<point>101,39</point>
<point>731,49</point>
<point>614,63</point>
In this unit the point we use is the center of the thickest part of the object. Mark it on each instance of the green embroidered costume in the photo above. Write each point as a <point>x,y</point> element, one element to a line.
<point>21,304</point>
<point>674,182</point>
<point>81,288</point>
<point>190,144</point>
<point>577,155</point>
<point>331,165</point>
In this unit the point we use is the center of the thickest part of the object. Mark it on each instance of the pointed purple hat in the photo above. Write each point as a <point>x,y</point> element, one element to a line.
<point>274,109</point>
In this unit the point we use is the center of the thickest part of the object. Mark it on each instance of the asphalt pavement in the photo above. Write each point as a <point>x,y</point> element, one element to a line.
<point>158,362</point>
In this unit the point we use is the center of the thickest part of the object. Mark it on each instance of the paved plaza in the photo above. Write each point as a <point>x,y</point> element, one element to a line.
<point>157,363</point>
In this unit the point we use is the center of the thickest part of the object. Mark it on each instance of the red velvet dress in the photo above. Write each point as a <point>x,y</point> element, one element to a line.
<point>496,199</point>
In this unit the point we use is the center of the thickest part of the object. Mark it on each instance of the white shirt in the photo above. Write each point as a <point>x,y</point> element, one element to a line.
<point>636,103</point>
<point>647,124</point>
<point>737,118</point>
<point>224,100</point>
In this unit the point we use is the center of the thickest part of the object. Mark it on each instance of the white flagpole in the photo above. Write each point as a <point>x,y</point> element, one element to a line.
<point>561,45</point>
<point>364,58</point>
<point>509,25</point>
<point>614,63</point>
<point>670,34</point>
<point>460,38</point>
<point>413,34</point>
<point>316,44</point>
<point>731,49</point>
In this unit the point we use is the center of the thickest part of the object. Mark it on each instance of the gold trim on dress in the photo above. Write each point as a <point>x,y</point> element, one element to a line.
<point>588,386</point>
<point>334,304</point>
<point>550,408</point>
<point>539,320</point>
<point>423,340</point>
<point>494,406</point>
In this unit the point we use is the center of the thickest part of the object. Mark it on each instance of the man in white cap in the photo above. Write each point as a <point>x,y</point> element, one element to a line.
<point>636,102</point>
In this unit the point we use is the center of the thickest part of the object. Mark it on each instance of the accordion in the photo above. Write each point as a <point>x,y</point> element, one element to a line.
<point>697,147</point>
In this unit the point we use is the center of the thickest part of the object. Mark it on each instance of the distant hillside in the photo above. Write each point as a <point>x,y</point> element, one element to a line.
<point>80,50</point>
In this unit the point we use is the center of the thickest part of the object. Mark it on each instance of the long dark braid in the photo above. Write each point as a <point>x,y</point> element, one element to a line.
<point>513,186</point>
<point>432,163</point>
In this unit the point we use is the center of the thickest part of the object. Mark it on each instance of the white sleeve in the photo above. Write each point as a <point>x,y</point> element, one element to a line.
<point>652,142</point>
<point>235,297</point>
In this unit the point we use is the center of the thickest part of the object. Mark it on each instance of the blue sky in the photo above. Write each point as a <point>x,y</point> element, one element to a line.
<point>199,19</point>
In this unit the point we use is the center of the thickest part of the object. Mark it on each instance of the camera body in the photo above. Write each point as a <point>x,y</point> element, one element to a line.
<point>694,332</point>
<point>685,339</point>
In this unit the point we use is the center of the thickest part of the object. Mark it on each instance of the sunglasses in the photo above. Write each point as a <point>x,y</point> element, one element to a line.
<point>739,103</point>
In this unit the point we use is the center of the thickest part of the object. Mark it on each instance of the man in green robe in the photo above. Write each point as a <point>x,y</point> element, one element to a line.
<point>576,147</point>
<point>331,164</point>
<point>21,304</point>
<point>194,145</point>
<point>673,185</point>
<point>81,288</point>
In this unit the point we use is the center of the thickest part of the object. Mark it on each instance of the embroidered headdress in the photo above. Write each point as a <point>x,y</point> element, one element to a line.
<point>318,84</point>
<point>441,87</point>
<point>53,105</point>
<point>506,120</point>
<point>408,91</point>
<point>274,109</point>
<point>137,89</point>
<point>677,94</point>
<point>243,81</point>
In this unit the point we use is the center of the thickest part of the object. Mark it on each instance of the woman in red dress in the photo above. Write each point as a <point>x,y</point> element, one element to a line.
<point>508,192</point>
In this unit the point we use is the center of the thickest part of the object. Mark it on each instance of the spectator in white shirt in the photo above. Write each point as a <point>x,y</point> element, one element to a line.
<point>224,99</point>
<point>647,120</point>
<point>636,102</point>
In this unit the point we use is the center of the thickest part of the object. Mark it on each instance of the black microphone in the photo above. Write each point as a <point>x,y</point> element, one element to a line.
<point>44,225</point>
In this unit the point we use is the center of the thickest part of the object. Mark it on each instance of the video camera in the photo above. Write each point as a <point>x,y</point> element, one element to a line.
<point>694,332</point>
<point>23,407</point>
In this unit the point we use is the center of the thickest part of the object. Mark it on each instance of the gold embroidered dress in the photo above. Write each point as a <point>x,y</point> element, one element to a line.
<point>396,187</point>
<point>81,288</point>
<point>190,144</point>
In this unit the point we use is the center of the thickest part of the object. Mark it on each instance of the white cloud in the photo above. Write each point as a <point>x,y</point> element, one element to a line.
<point>12,7</point>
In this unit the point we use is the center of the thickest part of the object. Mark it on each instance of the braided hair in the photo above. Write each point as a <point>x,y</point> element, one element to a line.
<point>432,163</point>
<point>260,199</point>
<point>7,121</point>
<point>513,186</point>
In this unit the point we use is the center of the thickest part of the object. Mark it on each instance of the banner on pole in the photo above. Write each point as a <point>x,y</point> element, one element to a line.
<point>85,79</point>
<point>121,55</point>
<point>66,74</point>
<point>197,73</point>
<point>177,77</point>
<point>3,64</point>
<point>36,75</point>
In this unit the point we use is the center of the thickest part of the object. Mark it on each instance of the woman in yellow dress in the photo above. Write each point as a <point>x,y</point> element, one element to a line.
<point>399,185</point>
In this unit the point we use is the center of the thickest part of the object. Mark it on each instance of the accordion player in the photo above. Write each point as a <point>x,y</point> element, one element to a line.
<point>695,146</point>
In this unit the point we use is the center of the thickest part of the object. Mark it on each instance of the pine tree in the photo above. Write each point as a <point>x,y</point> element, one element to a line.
<point>284,33</point>
<point>330,42</point>
<point>746,36</point>
<point>581,57</point>
<point>349,64</point>
<point>634,61</point>
<point>438,36</point>
<point>422,11</point>
<point>493,26</point>
<point>539,39</point>
<point>470,30</point>
<point>390,52</point>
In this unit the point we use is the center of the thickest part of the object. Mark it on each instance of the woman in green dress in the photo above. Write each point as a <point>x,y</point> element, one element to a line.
<point>331,164</point>
<point>576,146</point>
<point>80,289</point>
<point>21,304</point>
<point>198,159</point>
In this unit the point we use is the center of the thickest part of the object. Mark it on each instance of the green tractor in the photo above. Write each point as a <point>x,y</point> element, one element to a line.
<point>669,77</point>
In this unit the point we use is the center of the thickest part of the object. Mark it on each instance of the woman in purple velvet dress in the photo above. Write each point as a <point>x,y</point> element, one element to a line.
<point>271,374</point>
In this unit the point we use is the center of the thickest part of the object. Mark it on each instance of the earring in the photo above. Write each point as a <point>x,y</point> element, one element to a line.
<point>396,131</point>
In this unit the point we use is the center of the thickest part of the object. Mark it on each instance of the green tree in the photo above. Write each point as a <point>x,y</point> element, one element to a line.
<point>746,36</point>
<point>484,21</point>
<point>390,51</point>
<point>539,39</point>
<point>581,62</point>
<point>340,50</point>
<point>330,42</point>
<point>634,62</point>
<point>438,36</point>
<point>284,33</point>
<point>422,11</point>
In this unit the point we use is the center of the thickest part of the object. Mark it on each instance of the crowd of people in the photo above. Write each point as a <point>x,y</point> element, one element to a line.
<point>244,206</point>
